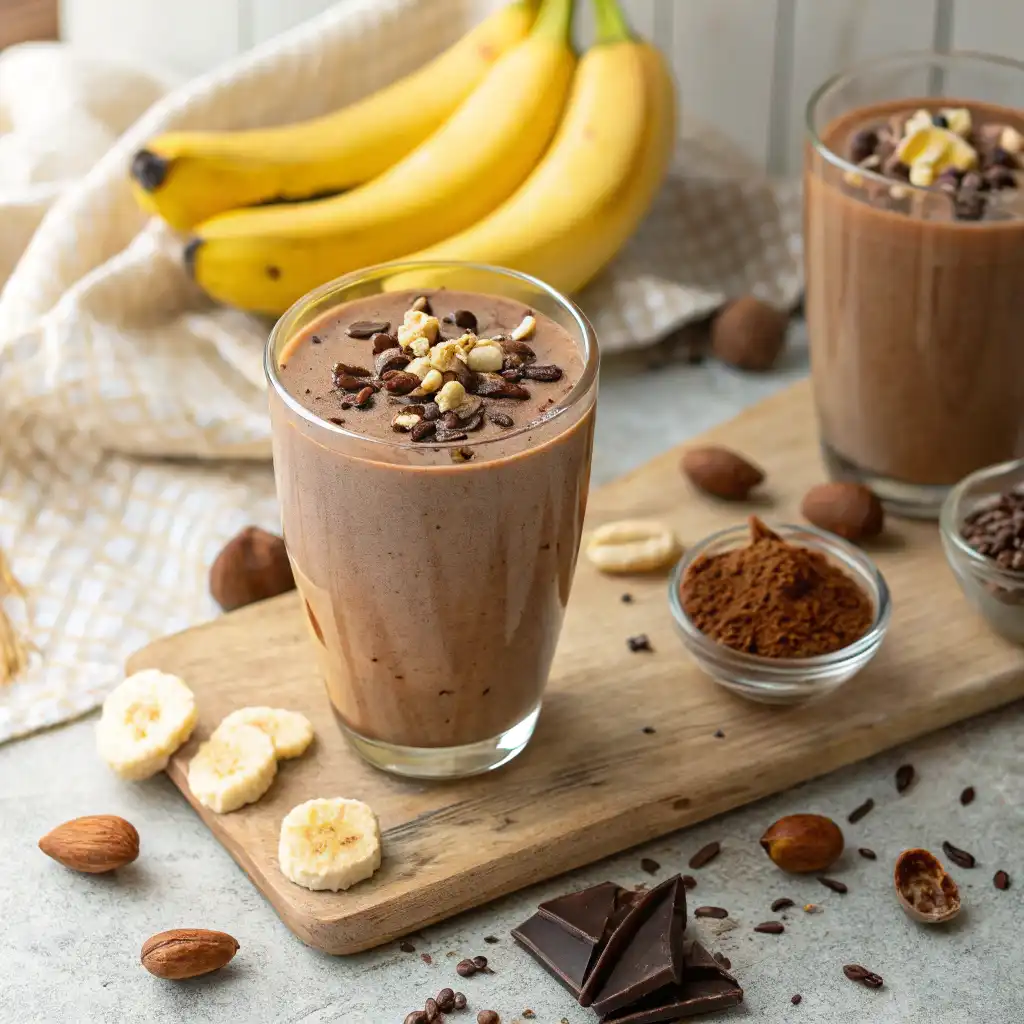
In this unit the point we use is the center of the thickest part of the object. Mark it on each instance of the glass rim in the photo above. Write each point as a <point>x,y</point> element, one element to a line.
<point>379,270</point>
<point>848,553</point>
<point>908,57</point>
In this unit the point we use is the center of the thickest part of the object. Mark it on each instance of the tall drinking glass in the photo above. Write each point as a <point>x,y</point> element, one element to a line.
<point>434,576</point>
<point>915,292</point>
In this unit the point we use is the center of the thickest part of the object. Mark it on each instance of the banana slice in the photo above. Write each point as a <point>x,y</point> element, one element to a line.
<point>232,768</point>
<point>632,545</point>
<point>290,732</point>
<point>329,844</point>
<point>144,721</point>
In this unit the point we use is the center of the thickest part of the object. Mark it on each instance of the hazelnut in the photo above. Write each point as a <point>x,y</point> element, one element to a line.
<point>924,889</point>
<point>749,334</point>
<point>845,508</point>
<point>252,566</point>
<point>801,843</point>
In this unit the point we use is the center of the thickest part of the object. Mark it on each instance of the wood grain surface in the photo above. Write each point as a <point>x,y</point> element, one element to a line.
<point>592,782</point>
<point>21,20</point>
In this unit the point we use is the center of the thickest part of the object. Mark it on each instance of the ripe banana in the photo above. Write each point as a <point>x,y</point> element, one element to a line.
<point>144,721</point>
<point>263,260</point>
<point>187,177</point>
<point>329,844</point>
<point>290,732</point>
<point>593,187</point>
<point>232,768</point>
<point>596,151</point>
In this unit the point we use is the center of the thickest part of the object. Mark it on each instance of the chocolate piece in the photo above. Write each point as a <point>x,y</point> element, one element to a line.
<point>368,328</point>
<point>583,914</point>
<point>706,986</point>
<point>644,952</point>
<point>565,957</point>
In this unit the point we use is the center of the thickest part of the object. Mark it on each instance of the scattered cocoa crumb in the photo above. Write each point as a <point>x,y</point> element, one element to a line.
<point>649,730</point>
<point>904,777</point>
<point>967,796</point>
<point>796,1000</point>
<point>406,947</point>
<point>639,643</point>
<point>705,855</point>
<point>689,882</point>
<point>719,735</point>
<point>626,599</point>
<point>860,812</point>
<point>652,867</point>
<point>867,854</point>
<point>491,939</point>
<point>723,960</point>
<point>834,884</point>
<point>426,958</point>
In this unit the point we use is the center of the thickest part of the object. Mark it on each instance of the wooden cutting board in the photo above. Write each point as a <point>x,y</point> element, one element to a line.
<point>592,782</point>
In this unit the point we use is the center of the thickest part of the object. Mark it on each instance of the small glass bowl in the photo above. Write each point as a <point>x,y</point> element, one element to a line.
<point>996,593</point>
<point>784,680</point>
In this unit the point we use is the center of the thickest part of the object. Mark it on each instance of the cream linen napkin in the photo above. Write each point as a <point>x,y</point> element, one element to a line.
<point>133,427</point>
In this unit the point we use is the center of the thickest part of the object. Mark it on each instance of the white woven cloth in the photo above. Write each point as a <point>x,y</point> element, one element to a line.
<point>134,438</point>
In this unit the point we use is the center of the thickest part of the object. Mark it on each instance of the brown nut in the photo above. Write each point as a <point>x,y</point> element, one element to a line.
<point>94,844</point>
<point>801,843</point>
<point>721,472</point>
<point>252,566</point>
<point>749,334</point>
<point>924,889</point>
<point>850,510</point>
<point>187,952</point>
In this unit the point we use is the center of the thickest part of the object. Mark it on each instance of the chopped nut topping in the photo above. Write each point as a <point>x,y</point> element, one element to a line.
<point>405,421</point>
<point>451,396</point>
<point>418,331</point>
<point>421,305</point>
<point>421,367</point>
<point>431,382</point>
<point>443,355</point>
<point>525,329</point>
<point>1011,140</point>
<point>485,357</point>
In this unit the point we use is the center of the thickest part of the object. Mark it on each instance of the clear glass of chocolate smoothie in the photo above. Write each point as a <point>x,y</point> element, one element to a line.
<point>914,252</point>
<point>432,451</point>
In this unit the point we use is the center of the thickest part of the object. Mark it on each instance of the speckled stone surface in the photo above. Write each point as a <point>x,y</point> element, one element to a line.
<point>69,944</point>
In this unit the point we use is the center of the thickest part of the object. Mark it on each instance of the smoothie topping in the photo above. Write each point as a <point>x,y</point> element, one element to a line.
<point>996,529</point>
<point>972,163</point>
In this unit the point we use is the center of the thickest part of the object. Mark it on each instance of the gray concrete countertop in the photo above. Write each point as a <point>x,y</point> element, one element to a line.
<point>70,943</point>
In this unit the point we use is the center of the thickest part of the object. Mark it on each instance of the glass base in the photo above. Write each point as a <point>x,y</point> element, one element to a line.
<point>445,762</point>
<point>911,501</point>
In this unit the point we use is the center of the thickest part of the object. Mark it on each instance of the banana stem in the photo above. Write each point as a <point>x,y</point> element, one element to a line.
<point>612,26</point>
<point>555,18</point>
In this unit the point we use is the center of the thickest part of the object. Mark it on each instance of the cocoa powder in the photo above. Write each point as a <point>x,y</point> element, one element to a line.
<point>775,599</point>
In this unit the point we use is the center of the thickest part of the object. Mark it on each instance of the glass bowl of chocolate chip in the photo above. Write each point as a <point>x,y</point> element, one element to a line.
<point>779,614</point>
<point>982,527</point>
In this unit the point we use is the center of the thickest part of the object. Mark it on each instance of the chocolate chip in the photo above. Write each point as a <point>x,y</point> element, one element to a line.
<point>315,339</point>
<point>959,857</point>
<point>465,968</point>
<point>689,882</point>
<point>368,328</point>
<point>834,884</point>
<point>718,912</point>
<point>363,398</point>
<point>407,947</point>
<point>863,145</point>
<point>705,855</point>
<point>782,904</point>
<point>652,867</point>
<point>796,999</point>
<point>861,812</point>
<point>548,374</point>
<point>857,973</point>
<point>967,796</point>
<point>1001,880</point>
<point>641,642</point>
<point>770,927</point>
<point>431,1009</point>
<point>424,429</point>
<point>723,960</point>
<point>382,342</point>
<point>904,777</point>
<point>487,1017</point>
<point>460,1001</point>
<point>867,854</point>
<point>346,382</point>
<point>401,383</point>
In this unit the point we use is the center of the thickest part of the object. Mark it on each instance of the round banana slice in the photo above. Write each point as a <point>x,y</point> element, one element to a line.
<point>290,732</point>
<point>232,768</point>
<point>632,545</point>
<point>144,720</point>
<point>329,843</point>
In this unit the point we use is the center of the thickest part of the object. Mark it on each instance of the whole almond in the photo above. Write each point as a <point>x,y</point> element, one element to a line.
<point>848,509</point>
<point>187,952</point>
<point>749,334</point>
<point>721,472</point>
<point>94,844</point>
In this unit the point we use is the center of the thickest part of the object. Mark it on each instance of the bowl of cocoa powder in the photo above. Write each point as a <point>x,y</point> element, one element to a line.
<point>779,614</point>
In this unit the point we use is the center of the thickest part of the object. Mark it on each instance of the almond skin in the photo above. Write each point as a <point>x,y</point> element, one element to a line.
<point>251,567</point>
<point>187,952</point>
<point>94,844</point>
<point>721,472</point>
<point>849,510</point>
<point>801,843</point>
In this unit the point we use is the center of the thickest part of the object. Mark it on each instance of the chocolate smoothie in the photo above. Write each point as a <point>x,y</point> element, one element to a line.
<point>915,289</point>
<point>432,506</point>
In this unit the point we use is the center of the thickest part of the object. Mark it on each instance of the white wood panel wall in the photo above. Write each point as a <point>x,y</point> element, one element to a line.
<point>746,65</point>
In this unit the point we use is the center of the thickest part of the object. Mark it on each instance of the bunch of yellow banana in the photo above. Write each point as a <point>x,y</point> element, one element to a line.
<point>529,160</point>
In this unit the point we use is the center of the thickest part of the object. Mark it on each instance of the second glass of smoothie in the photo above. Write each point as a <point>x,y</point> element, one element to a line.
<point>432,452</point>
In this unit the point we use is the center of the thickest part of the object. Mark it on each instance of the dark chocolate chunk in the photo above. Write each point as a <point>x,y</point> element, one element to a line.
<point>565,957</point>
<point>424,429</point>
<point>639,643</point>
<point>406,946</point>
<point>368,328</point>
<point>584,914</point>
<point>350,370</point>
<point>863,145</point>
<point>706,986</point>
<point>644,952</point>
<point>520,349</point>
<point>382,342</point>
<point>346,382</point>
<point>390,359</point>
<point>651,866</point>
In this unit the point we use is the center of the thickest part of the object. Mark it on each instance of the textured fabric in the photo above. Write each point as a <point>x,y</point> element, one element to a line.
<point>134,438</point>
